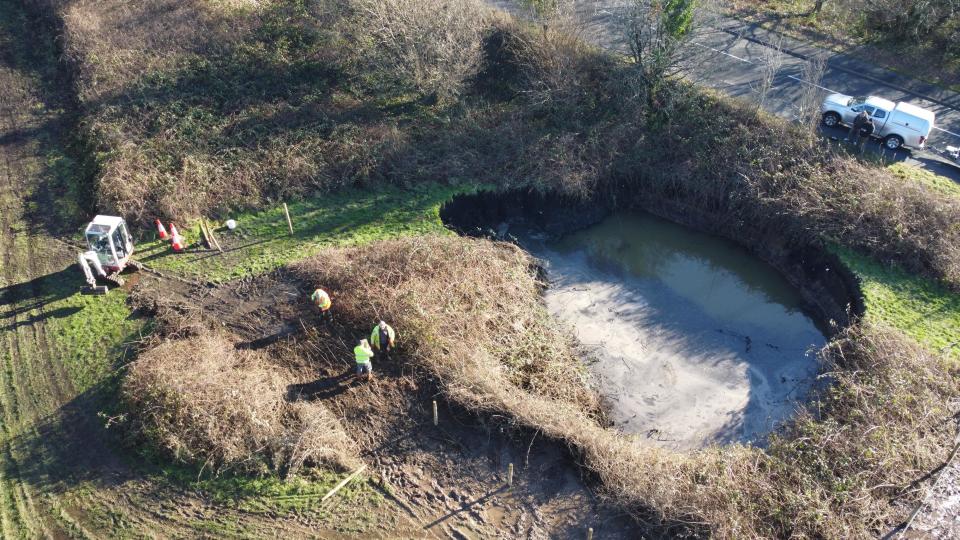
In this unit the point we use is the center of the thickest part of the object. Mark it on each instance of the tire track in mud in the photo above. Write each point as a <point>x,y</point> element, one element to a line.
<point>15,514</point>
<point>33,383</point>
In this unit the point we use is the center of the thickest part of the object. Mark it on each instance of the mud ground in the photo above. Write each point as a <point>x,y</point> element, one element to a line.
<point>939,516</point>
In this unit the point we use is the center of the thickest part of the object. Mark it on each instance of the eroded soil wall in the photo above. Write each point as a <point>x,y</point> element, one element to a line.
<point>829,288</point>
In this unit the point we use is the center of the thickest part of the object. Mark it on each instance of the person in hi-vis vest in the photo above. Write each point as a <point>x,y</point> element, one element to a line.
<point>364,354</point>
<point>321,299</point>
<point>382,337</point>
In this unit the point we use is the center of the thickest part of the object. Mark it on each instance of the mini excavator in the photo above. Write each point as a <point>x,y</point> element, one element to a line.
<point>109,249</point>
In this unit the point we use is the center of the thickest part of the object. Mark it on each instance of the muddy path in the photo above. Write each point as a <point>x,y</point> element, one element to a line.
<point>33,384</point>
<point>51,441</point>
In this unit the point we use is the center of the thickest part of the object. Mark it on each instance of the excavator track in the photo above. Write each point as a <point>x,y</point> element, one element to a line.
<point>115,278</point>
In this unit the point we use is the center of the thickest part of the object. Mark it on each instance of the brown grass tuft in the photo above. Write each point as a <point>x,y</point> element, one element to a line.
<point>203,401</point>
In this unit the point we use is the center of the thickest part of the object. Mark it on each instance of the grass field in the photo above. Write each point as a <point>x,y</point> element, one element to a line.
<point>936,182</point>
<point>921,308</point>
<point>262,241</point>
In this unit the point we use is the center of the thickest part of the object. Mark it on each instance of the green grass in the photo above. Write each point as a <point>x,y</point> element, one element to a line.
<point>920,307</point>
<point>934,181</point>
<point>93,340</point>
<point>262,241</point>
<point>270,493</point>
<point>356,508</point>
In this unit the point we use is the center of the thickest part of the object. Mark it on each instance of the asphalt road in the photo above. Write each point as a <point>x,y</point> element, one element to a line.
<point>733,61</point>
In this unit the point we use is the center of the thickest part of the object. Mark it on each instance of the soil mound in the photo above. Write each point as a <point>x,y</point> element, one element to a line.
<point>470,315</point>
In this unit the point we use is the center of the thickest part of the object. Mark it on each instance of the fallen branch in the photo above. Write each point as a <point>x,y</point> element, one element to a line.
<point>343,482</point>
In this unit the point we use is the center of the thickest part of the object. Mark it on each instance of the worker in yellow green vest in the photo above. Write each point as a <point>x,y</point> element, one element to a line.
<point>364,354</point>
<point>321,299</point>
<point>382,337</point>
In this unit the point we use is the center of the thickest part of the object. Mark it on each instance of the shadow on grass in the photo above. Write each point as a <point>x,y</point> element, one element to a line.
<point>23,298</point>
<point>59,188</point>
<point>58,313</point>
<point>352,216</point>
<point>68,447</point>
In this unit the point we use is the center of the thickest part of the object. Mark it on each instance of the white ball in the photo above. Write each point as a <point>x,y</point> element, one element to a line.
<point>231,224</point>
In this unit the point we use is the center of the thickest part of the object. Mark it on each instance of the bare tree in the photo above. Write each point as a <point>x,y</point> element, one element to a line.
<point>660,36</point>
<point>772,58</point>
<point>436,45</point>
<point>808,102</point>
<point>553,56</point>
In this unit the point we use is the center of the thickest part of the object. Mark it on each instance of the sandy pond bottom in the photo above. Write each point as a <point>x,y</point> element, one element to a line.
<point>696,341</point>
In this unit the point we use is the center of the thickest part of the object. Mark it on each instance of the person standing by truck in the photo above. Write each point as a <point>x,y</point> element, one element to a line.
<point>866,130</point>
<point>854,134</point>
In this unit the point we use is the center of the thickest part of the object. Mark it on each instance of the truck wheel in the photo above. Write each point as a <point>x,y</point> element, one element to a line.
<point>893,142</point>
<point>831,119</point>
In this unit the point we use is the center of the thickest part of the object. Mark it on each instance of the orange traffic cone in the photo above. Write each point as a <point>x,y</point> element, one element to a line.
<point>161,231</point>
<point>176,242</point>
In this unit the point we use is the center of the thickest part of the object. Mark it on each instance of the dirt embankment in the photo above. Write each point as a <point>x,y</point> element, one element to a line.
<point>829,288</point>
<point>471,327</point>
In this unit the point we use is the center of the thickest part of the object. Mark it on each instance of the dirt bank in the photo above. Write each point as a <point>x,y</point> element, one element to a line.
<point>829,288</point>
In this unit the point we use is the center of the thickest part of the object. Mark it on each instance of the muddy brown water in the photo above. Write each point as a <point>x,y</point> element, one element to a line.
<point>695,341</point>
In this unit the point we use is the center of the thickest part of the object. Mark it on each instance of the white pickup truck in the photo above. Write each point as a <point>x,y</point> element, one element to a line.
<point>898,124</point>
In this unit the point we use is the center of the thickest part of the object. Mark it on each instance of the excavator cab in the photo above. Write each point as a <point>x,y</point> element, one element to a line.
<point>108,237</point>
<point>110,247</point>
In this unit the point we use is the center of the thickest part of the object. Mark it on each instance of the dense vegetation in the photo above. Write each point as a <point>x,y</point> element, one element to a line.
<point>236,105</point>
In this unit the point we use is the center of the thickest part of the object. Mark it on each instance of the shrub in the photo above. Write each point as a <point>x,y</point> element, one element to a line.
<point>436,45</point>
<point>202,401</point>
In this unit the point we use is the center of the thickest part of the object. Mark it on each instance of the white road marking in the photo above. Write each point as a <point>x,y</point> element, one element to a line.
<point>798,79</point>
<point>721,52</point>
<point>945,131</point>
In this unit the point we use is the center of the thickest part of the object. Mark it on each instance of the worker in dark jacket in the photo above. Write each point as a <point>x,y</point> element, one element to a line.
<point>866,130</point>
<point>854,135</point>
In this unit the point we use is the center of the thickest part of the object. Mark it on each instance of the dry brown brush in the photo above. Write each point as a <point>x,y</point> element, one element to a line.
<point>850,465</point>
<point>437,45</point>
<point>204,402</point>
<point>456,298</point>
<point>195,106</point>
